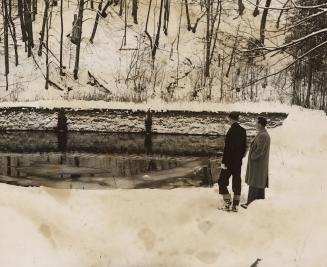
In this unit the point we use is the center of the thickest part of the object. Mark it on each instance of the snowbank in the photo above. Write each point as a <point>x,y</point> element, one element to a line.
<point>180,227</point>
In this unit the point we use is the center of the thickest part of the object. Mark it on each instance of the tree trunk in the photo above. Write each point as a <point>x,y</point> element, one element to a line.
<point>61,36</point>
<point>146,24</point>
<point>5,33</point>
<point>156,42</point>
<point>34,4</point>
<point>178,37</point>
<point>96,21</point>
<point>166,16</point>
<point>121,7</point>
<point>208,38</point>
<point>13,32</point>
<point>20,6</point>
<point>29,27</point>
<point>222,78</point>
<point>134,10</point>
<point>47,54</point>
<point>310,74</point>
<point>189,27</point>
<point>240,7</point>
<point>263,22</point>
<point>78,45</point>
<point>104,11</point>
<point>256,10</point>
<point>125,25</point>
<point>45,19</point>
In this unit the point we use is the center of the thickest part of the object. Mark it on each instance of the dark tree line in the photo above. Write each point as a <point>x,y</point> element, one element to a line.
<point>309,87</point>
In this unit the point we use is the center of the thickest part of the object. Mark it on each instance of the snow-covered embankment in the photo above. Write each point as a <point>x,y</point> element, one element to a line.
<point>180,227</point>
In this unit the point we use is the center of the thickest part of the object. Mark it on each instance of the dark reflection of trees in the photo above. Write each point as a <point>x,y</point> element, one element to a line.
<point>8,166</point>
<point>148,122</point>
<point>148,144</point>
<point>62,141</point>
<point>152,165</point>
<point>76,161</point>
<point>62,121</point>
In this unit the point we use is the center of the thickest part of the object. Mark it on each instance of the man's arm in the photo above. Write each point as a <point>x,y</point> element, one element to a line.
<point>244,144</point>
<point>227,149</point>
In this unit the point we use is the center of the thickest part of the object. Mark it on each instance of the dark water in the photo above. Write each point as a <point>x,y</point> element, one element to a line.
<point>177,145</point>
<point>93,160</point>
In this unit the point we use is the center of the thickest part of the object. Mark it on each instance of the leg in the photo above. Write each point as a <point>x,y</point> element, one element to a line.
<point>223,182</point>
<point>236,185</point>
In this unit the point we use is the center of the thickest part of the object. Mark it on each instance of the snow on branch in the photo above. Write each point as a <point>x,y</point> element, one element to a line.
<point>285,68</point>
<point>286,45</point>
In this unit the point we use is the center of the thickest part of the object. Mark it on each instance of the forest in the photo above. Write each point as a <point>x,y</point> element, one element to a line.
<point>174,50</point>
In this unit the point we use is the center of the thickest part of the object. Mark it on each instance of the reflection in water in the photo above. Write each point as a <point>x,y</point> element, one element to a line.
<point>62,121</point>
<point>93,160</point>
<point>8,166</point>
<point>148,143</point>
<point>71,170</point>
<point>148,122</point>
<point>62,141</point>
<point>30,142</point>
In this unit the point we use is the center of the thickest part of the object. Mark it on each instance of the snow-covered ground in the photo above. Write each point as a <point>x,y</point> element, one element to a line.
<point>180,227</point>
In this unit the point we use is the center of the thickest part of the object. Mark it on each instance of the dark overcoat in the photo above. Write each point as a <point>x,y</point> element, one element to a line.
<point>235,146</point>
<point>258,161</point>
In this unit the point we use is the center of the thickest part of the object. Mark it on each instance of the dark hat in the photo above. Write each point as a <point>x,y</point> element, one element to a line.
<point>234,115</point>
<point>262,120</point>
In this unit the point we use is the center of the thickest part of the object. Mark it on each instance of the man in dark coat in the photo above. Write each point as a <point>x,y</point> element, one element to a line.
<point>234,151</point>
<point>258,163</point>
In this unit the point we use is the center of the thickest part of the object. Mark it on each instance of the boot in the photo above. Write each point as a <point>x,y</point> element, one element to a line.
<point>234,208</point>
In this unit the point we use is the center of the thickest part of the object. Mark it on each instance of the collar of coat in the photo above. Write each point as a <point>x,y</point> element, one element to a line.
<point>262,130</point>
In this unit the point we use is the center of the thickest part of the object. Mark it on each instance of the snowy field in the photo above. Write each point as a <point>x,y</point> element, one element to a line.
<point>180,227</point>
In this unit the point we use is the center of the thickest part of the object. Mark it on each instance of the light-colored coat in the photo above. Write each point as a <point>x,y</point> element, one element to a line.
<point>258,161</point>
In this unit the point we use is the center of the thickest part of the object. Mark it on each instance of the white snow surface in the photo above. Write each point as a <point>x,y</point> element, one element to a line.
<point>156,105</point>
<point>180,227</point>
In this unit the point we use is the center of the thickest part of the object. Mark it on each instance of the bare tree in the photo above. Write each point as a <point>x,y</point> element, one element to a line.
<point>213,15</point>
<point>146,24</point>
<point>264,21</point>
<point>29,27</point>
<point>79,39</point>
<point>47,53</point>
<point>166,16</point>
<point>13,31</point>
<point>20,5</point>
<point>61,36</point>
<point>134,10</point>
<point>5,29</point>
<point>45,19</point>
<point>96,22</point>
<point>156,42</point>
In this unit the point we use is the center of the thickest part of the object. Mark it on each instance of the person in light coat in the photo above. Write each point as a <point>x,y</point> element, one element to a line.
<point>258,163</point>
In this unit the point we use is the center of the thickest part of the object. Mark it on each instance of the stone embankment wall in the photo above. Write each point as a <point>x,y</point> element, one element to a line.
<point>128,121</point>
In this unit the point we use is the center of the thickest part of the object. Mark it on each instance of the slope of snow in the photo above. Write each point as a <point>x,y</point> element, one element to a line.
<point>180,227</point>
<point>113,64</point>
